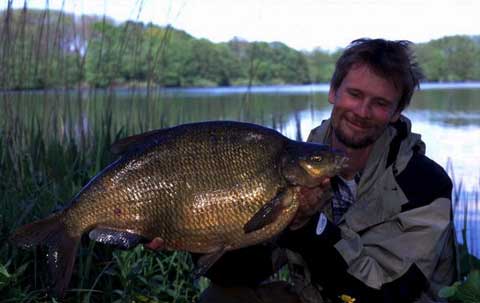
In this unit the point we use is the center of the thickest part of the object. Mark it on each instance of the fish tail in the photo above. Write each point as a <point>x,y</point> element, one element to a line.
<point>62,247</point>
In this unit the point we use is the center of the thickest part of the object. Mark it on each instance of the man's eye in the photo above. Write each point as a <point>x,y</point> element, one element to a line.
<point>354,94</point>
<point>382,103</point>
<point>316,158</point>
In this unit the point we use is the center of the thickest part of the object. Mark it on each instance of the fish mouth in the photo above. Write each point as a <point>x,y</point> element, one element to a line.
<point>339,159</point>
<point>336,164</point>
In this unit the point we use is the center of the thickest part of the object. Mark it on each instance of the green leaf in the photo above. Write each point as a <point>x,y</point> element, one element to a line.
<point>464,292</point>
<point>447,292</point>
<point>4,272</point>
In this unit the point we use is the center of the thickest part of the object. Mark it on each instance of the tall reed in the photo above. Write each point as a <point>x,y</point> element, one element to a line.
<point>466,214</point>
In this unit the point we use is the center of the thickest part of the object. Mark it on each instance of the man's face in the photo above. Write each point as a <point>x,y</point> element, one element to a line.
<point>363,106</point>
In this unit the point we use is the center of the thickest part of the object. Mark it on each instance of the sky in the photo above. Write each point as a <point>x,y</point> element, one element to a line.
<point>301,24</point>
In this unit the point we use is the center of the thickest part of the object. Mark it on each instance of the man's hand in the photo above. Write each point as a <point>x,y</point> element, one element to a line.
<point>155,244</point>
<point>311,201</point>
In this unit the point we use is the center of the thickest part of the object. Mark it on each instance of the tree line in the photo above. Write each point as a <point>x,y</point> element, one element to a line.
<point>43,49</point>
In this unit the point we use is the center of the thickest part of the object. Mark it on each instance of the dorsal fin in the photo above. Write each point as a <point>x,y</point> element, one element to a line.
<point>132,142</point>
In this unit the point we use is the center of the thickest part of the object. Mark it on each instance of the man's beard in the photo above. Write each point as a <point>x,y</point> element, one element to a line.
<point>358,142</point>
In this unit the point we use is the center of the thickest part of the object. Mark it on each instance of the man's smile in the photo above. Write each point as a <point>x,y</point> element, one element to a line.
<point>357,125</point>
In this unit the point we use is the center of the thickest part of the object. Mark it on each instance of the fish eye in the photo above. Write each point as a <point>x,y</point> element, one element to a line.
<point>316,158</point>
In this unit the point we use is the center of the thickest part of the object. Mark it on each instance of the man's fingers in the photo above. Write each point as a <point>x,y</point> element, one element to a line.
<point>298,223</point>
<point>325,183</point>
<point>155,244</point>
<point>311,201</point>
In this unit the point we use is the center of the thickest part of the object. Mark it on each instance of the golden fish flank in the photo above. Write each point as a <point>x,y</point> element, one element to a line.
<point>202,187</point>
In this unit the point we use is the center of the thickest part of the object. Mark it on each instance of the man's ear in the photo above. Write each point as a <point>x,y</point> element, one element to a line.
<point>331,96</point>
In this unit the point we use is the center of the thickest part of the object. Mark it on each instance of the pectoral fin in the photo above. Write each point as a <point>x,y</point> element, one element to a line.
<point>206,261</point>
<point>117,238</point>
<point>269,212</point>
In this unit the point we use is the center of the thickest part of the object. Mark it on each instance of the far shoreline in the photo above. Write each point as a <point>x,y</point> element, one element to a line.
<point>233,89</point>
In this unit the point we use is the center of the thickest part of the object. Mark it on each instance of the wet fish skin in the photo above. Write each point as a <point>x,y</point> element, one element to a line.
<point>196,186</point>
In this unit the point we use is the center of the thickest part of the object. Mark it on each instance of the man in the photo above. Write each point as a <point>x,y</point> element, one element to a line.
<point>396,234</point>
<point>386,235</point>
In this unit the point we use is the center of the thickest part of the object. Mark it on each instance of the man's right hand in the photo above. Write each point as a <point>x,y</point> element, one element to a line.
<point>311,201</point>
<point>156,244</point>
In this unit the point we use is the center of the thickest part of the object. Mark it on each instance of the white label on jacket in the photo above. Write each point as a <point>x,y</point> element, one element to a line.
<point>322,223</point>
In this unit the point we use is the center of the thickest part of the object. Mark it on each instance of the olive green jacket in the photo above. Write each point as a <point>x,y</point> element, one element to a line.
<point>393,225</point>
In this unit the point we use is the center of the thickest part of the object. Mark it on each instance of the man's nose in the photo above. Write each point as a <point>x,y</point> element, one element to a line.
<point>363,109</point>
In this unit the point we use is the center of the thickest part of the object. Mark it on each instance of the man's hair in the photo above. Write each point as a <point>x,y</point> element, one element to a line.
<point>392,60</point>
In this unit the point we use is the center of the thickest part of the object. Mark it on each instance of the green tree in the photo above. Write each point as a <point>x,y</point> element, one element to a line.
<point>433,62</point>
<point>175,60</point>
<point>103,62</point>
<point>321,65</point>
<point>455,58</point>
<point>40,49</point>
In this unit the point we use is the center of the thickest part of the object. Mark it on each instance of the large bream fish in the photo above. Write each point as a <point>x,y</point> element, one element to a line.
<point>203,187</point>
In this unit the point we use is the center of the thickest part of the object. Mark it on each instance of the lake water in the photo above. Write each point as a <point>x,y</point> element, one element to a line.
<point>447,116</point>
